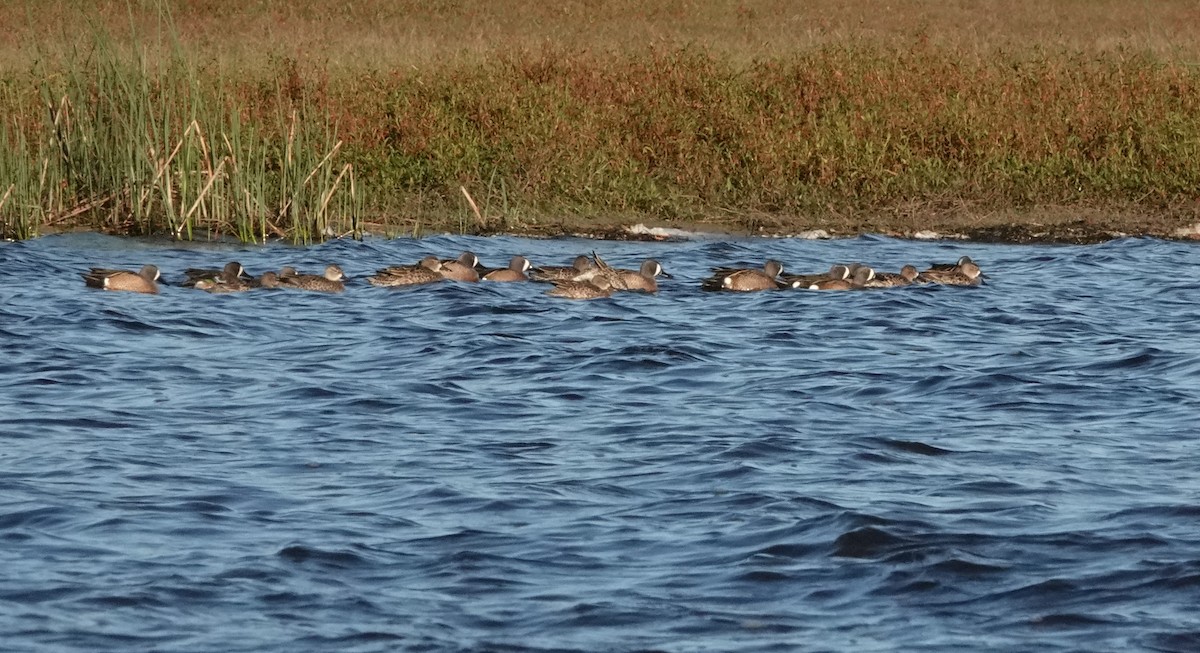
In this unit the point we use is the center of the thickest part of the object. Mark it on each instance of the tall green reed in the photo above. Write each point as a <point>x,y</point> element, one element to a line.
<point>144,140</point>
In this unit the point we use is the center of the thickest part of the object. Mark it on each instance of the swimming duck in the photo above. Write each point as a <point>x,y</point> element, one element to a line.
<point>266,280</point>
<point>590,289</point>
<point>556,273</point>
<point>908,275</point>
<point>461,268</point>
<point>330,281</point>
<point>951,266</point>
<point>216,286</point>
<point>142,281</point>
<point>861,277</point>
<point>515,271</point>
<point>641,280</point>
<point>745,280</point>
<point>836,271</point>
<point>233,273</point>
<point>428,270</point>
<point>963,274</point>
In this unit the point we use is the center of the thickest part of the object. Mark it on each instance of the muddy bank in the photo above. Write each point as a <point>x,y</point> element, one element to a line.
<point>1052,225</point>
<point>1060,224</point>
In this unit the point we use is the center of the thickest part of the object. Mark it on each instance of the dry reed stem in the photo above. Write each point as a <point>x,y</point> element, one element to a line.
<point>200,198</point>
<point>333,187</point>
<point>163,165</point>
<point>320,165</point>
<point>478,216</point>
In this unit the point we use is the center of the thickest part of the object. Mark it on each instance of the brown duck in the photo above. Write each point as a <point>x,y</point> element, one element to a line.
<point>590,289</point>
<point>461,268</point>
<point>142,281</point>
<point>330,281</point>
<point>745,280</point>
<point>557,273</point>
<point>862,276</point>
<point>641,280</point>
<point>428,270</point>
<point>963,274</point>
<point>837,271</point>
<point>907,276</point>
<point>517,267</point>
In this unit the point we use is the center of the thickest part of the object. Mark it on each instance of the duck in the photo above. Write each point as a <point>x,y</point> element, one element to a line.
<point>963,274</point>
<point>744,279</point>
<point>558,273</point>
<point>461,268</point>
<point>233,273</point>
<point>962,260</point>
<point>268,280</point>
<point>232,278</point>
<point>517,267</point>
<point>908,275</point>
<point>836,271</point>
<point>861,277</point>
<point>641,280</point>
<point>330,281</point>
<point>143,281</point>
<point>590,289</point>
<point>219,285</point>
<point>427,270</point>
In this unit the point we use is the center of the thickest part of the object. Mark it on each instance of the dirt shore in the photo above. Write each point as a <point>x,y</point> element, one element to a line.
<point>1050,224</point>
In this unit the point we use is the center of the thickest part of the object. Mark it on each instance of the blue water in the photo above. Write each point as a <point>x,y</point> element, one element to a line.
<point>482,467</point>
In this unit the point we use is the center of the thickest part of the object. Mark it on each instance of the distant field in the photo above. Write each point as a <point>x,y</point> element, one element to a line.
<point>307,118</point>
<point>385,33</point>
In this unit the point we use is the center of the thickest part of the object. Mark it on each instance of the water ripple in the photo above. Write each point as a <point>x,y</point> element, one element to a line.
<point>483,467</point>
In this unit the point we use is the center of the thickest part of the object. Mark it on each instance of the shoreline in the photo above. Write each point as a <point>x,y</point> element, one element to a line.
<point>1042,225</point>
<point>1034,225</point>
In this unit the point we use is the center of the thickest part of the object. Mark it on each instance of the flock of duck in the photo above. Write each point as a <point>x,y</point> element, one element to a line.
<point>586,277</point>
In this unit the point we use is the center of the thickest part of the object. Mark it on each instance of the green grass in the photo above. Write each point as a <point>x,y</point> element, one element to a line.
<point>134,144</point>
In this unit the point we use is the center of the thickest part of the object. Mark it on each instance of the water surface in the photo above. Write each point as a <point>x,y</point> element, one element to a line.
<point>483,467</point>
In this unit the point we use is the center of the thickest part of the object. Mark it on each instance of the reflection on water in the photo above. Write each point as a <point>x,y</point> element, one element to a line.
<point>483,467</point>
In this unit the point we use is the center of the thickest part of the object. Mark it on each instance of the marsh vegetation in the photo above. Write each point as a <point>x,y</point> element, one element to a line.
<point>306,120</point>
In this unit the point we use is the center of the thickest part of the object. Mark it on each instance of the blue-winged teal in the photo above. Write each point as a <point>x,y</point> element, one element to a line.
<point>514,272</point>
<point>861,277</point>
<point>141,281</point>
<point>963,274</point>
<point>232,273</point>
<point>229,279</point>
<point>461,268</point>
<point>948,267</point>
<point>555,273</point>
<point>267,280</point>
<point>591,289</point>
<point>331,281</point>
<point>803,281</point>
<point>745,280</point>
<point>428,270</point>
<point>219,286</point>
<point>908,275</point>
<point>641,280</point>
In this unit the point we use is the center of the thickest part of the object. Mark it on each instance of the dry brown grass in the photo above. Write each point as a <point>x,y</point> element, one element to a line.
<point>383,34</point>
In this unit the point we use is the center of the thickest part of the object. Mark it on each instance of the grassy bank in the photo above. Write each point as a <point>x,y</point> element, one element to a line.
<point>151,131</point>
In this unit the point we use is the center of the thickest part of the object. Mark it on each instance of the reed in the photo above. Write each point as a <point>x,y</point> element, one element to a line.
<point>121,141</point>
